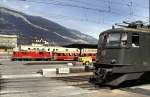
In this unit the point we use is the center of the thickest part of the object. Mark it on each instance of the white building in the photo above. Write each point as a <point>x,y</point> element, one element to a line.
<point>8,41</point>
<point>7,44</point>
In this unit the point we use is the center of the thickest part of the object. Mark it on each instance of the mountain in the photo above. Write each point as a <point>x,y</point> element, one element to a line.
<point>30,27</point>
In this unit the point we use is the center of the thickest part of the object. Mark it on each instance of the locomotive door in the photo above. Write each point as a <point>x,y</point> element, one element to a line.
<point>135,50</point>
<point>132,52</point>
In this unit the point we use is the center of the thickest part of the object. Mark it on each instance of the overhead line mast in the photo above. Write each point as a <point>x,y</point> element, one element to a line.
<point>149,12</point>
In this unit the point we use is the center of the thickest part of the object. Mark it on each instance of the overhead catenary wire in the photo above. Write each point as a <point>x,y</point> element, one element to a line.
<point>58,3</point>
<point>99,10</point>
<point>68,5</point>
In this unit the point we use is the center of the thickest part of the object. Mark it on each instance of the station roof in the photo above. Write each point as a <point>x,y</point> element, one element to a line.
<point>81,46</point>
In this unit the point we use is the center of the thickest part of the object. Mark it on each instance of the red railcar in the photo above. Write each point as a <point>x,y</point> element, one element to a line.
<point>62,56</point>
<point>31,55</point>
<point>52,55</point>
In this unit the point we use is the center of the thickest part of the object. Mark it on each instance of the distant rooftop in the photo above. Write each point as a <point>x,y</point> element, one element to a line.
<point>11,36</point>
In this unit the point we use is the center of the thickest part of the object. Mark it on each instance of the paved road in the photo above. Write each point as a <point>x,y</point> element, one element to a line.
<point>38,86</point>
<point>47,87</point>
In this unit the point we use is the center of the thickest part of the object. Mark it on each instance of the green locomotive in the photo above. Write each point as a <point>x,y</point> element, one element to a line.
<point>123,54</point>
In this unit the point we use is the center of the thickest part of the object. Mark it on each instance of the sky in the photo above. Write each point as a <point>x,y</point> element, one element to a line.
<point>88,16</point>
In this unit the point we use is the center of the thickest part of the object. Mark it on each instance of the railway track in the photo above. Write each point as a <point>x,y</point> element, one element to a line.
<point>81,82</point>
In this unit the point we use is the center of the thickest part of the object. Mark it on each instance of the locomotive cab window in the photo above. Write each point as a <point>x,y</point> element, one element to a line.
<point>135,40</point>
<point>113,39</point>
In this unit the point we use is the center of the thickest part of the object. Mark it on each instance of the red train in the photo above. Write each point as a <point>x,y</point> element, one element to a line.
<point>47,56</point>
<point>31,55</point>
<point>64,56</point>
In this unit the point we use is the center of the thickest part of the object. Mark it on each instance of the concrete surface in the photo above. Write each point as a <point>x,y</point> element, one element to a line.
<point>49,72</point>
<point>46,87</point>
<point>27,85</point>
<point>13,68</point>
<point>38,87</point>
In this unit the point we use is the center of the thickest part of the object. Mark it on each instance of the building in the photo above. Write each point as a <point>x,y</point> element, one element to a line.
<point>7,44</point>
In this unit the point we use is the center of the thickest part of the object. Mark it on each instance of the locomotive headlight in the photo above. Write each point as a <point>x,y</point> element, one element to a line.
<point>113,61</point>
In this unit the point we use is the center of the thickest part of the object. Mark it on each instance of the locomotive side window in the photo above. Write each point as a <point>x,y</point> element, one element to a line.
<point>124,40</point>
<point>135,40</point>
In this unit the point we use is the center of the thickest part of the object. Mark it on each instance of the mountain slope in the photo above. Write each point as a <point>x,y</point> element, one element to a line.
<point>30,27</point>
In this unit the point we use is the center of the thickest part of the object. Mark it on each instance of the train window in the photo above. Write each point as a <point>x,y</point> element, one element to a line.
<point>113,39</point>
<point>28,48</point>
<point>66,49</point>
<point>101,38</point>
<point>70,54</point>
<point>124,40</point>
<point>48,49</point>
<point>40,52</point>
<point>59,54</point>
<point>64,54</point>
<point>75,54</point>
<point>14,53</point>
<point>135,40</point>
<point>24,52</point>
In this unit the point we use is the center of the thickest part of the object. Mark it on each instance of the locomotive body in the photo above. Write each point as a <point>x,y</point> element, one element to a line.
<point>123,54</point>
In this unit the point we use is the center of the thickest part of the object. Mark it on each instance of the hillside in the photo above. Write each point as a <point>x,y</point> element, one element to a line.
<point>30,27</point>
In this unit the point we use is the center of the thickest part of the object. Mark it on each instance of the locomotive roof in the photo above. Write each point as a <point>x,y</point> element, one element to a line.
<point>132,30</point>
